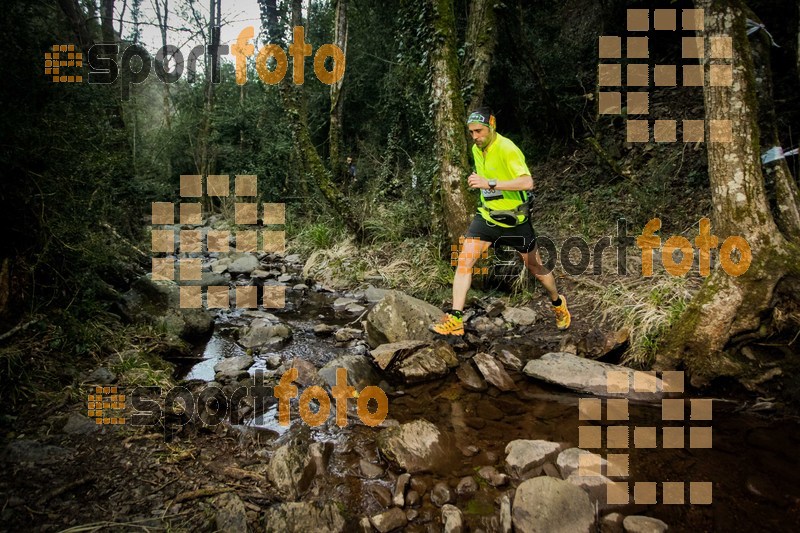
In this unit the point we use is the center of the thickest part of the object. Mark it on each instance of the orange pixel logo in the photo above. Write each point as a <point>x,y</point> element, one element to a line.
<point>714,71</point>
<point>189,243</point>
<point>456,256</point>
<point>102,402</point>
<point>62,55</point>
<point>620,437</point>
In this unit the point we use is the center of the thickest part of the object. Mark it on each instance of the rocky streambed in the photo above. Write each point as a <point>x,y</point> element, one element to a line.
<point>481,433</point>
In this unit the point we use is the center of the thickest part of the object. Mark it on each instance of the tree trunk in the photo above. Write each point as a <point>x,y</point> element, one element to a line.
<point>781,187</point>
<point>337,97</point>
<point>728,310</point>
<point>107,14</point>
<point>308,162</point>
<point>72,10</point>
<point>450,124</point>
<point>481,40</point>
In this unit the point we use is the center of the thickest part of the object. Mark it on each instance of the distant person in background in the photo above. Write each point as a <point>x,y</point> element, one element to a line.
<point>503,217</point>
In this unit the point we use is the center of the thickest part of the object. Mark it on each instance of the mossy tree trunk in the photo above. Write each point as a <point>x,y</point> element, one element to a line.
<point>308,163</point>
<point>729,311</point>
<point>479,48</point>
<point>450,124</point>
<point>337,96</point>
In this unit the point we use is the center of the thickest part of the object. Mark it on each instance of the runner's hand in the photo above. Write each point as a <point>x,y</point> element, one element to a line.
<point>477,182</point>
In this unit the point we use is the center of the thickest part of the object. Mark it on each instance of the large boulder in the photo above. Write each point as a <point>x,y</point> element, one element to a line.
<point>302,517</point>
<point>594,377</point>
<point>525,458</point>
<point>158,303</point>
<point>360,371</point>
<point>549,505</point>
<point>400,317</point>
<point>294,466</point>
<point>415,361</point>
<point>417,446</point>
<point>264,331</point>
<point>494,372</point>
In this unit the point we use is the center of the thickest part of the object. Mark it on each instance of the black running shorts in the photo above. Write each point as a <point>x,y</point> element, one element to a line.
<point>522,238</point>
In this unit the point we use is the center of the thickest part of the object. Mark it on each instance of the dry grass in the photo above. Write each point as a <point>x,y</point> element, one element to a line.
<point>646,306</point>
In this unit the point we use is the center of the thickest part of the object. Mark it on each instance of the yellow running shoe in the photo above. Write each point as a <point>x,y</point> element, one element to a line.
<point>449,325</point>
<point>563,318</point>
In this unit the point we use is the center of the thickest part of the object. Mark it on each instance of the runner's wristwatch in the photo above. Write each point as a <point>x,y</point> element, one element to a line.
<point>492,184</point>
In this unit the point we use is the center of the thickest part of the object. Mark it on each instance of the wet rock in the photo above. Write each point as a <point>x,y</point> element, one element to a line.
<point>399,498</point>
<point>364,525</point>
<point>262,331</point>
<point>412,514</point>
<point>611,523</point>
<point>373,294</point>
<point>643,524</point>
<point>505,513</point>
<point>294,259</point>
<point>285,278</point>
<point>231,514</point>
<point>415,447</point>
<point>413,498</point>
<point>441,494</point>
<point>419,485</point>
<point>493,371</point>
<point>259,274</point>
<point>469,377</point>
<point>303,517</point>
<point>369,470</point>
<point>509,359</point>
<point>360,371</point>
<point>347,334</point>
<point>294,466</point>
<point>272,361</point>
<point>524,458</point>
<point>495,478</point>
<point>341,303</point>
<point>413,362</point>
<point>101,376</point>
<point>552,505</point>
<point>588,376</point>
<point>389,520</point>
<point>381,494</point>
<point>597,343</point>
<point>355,309</point>
<point>487,410</point>
<point>306,373</point>
<point>452,519</point>
<point>324,329</point>
<point>521,316</point>
<point>243,264</point>
<point>570,459</point>
<point>400,317</point>
<point>300,287</point>
<point>467,486</point>
<point>32,451</point>
<point>233,365</point>
<point>470,450</point>
<point>387,355</point>
<point>78,424</point>
<point>158,303</point>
